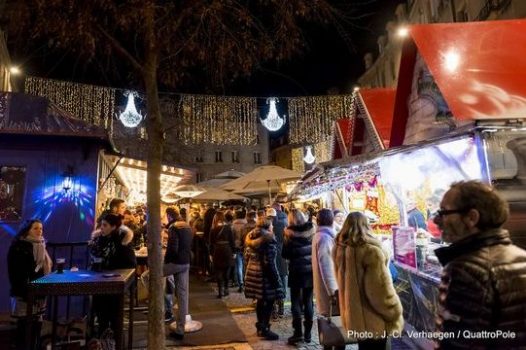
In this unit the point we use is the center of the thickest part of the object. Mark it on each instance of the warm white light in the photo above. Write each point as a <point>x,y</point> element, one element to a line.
<point>402,32</point>
<point>356,88</point>
<point>273,122</point>
<point>130,117</point>
<point>309,157</point>
<point>15,70</point>
<point>451,61</point>
<point>135,180</point>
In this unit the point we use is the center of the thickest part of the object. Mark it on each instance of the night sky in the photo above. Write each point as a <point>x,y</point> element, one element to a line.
<point>328,61</point>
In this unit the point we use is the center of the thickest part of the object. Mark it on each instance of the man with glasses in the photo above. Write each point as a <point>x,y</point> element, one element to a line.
<point>482,292</point>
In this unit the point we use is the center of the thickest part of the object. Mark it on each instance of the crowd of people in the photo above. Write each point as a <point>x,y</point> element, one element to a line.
<point>326,255</point>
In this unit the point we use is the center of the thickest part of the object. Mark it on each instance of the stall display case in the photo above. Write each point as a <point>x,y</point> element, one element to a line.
<point>417,178</point>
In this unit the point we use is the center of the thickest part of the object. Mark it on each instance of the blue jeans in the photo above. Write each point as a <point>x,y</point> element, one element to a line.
<point>239,269</point>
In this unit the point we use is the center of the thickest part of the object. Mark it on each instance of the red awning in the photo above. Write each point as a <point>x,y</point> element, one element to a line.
<point>479,67</point>
<point>379,104</point>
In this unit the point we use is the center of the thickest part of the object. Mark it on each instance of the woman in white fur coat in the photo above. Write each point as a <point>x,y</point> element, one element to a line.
<point>369,306</point>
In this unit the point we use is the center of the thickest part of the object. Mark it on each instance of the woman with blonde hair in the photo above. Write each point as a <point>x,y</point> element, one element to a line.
<point>297,248</point>
<point>370,308</point>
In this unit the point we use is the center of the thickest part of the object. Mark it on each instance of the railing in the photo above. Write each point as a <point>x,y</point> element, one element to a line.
<point>491,6</point>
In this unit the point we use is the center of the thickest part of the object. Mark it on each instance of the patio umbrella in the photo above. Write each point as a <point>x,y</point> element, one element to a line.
<point>221,178</point>
<point>229,174</point>
<point>269,174</point>
<point>187,191</point>
<point>217,194</point>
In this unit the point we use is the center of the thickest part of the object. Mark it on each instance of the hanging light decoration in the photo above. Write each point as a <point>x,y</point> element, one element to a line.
<point>273,122</point>
<point>130,117</point>
<point>309,157</point>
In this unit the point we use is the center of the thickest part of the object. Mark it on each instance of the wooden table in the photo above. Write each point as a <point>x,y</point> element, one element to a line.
<point>84,282</point>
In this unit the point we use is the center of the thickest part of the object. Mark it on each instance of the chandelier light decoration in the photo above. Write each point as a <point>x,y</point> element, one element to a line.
<point>273,122</point>
<point>196,119</point>
<point>309,157</point>
<point>130,118</point>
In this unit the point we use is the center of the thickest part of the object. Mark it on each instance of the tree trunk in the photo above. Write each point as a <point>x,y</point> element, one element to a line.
<point>156,327</point>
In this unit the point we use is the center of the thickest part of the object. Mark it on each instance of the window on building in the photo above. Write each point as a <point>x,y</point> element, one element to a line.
<point>219,157</point>
<point>199,158</point>
<point>235,156</point>
<point>257,158</point>
<point>198,177</point>
<point>257,139</point>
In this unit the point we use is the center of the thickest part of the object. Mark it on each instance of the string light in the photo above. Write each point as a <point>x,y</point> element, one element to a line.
<point>309,157</point>
<point>311,118</point>
<point>273,122</point>
<point>198,119</point>
<point>130,118</point>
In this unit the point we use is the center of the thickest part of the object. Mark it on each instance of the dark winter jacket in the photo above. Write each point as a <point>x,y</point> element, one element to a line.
<point>179,246</point>
<point>262,280</point>
<point>21,267</point>
<point>223,246</point>
<point>207,224</point>
<point>297,249</point>
<point>279,223</point>
<point>483,288</point>
<point>115,249</point>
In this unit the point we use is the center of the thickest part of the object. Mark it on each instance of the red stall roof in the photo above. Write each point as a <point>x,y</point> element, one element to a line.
<point>479,66</point>
<point>379,105</point>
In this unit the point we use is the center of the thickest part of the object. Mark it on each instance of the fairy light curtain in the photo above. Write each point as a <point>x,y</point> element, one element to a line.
<point>218,120</point>
<point>197,119</point>
<point>311,118</point>
<point>90,103</point>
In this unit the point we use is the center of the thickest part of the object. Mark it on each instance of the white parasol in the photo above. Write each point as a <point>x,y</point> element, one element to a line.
<point>271,175</point>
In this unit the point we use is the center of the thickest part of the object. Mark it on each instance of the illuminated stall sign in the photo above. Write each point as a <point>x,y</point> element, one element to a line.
<point>404,246</point>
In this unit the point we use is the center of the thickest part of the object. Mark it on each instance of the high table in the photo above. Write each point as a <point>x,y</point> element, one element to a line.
<point>84,282</point>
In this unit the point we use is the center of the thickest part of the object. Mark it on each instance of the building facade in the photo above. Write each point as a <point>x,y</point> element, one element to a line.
<point>5,63</point>
<point>208,159</point>
<point>383,71</point>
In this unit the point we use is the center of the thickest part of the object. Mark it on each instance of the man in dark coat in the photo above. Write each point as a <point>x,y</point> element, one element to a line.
<point>279,223</point>
<point>483,287</point>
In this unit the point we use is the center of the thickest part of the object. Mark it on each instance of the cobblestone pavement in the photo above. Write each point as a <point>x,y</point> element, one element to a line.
<point>244,314</point>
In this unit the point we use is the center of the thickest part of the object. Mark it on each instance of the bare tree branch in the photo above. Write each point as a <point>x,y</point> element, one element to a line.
<point>120,49</point>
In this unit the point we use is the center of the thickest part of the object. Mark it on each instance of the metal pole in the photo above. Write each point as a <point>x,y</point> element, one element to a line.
<point>269,193</point>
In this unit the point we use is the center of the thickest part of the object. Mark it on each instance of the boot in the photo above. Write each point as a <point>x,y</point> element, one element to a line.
<point>259,329</point>
<point>298,335</point>
<point>268,334</point>
<point>307,324</point>
<point>219,290</point>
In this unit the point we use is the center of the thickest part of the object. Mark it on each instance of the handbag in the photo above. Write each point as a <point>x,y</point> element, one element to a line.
<point>330,331</point>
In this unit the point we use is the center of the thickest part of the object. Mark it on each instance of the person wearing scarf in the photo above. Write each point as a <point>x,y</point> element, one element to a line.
<point>112,244</point>
<point>27,260</point>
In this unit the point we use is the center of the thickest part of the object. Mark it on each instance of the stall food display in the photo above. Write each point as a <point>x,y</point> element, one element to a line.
<point>400,190</point>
